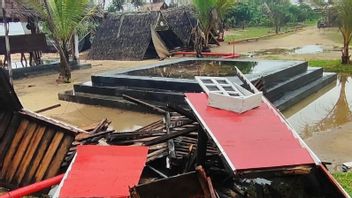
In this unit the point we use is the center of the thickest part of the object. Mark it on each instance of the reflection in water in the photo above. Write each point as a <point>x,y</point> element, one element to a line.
<point>309,49</point>
<point>327,112</point>
<point>191,69</point>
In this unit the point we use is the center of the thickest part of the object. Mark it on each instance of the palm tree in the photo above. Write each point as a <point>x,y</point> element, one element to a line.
<point>210,12</point>
<point>62,17</point>
<point>344,8</point>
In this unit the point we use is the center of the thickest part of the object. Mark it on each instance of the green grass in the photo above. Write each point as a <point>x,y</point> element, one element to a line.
<point>345,179</point>
<point>331,66</point>
<point>247,33</point>
<point>238,34</point>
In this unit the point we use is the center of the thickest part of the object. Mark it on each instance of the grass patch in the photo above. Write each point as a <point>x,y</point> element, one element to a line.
<point>331,66</point>
<point>247,33</point>
<point>238,34</point>
<point>345,179</point>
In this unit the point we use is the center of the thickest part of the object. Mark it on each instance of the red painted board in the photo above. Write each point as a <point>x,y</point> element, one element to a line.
<point>104,171</point>
<point>255,139</point>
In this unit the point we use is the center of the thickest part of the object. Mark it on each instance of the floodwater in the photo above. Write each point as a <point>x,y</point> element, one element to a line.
<point>190,69</point>
<point>324,121</point>
<point>85,115</point>
<point>309,49</point>
<point>330,109</point>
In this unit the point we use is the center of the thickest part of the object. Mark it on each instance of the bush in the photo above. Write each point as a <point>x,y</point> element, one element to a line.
<point>250,13</point>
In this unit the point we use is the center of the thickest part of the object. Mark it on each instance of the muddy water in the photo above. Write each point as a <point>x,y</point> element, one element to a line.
<point>85,115</point>
<point>324,120</point>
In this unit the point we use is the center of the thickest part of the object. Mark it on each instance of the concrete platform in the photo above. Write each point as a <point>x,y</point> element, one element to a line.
<point>285,83</point>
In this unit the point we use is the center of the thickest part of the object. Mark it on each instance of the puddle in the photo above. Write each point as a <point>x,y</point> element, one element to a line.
<point>308,49</point>
<point>325,110</point>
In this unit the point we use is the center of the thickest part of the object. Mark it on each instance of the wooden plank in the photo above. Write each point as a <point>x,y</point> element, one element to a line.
<point>29,155</point>
<point>48,156</point>
<point>4,123</point>
<point>39,154</point>
<point>6,142</point>
<point>14,144</point>
<point>21,150</point>
<point>59,157</point>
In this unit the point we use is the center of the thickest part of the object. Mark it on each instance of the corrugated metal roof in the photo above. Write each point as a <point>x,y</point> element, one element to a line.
<point>255,139</point>
<point>104,171</point>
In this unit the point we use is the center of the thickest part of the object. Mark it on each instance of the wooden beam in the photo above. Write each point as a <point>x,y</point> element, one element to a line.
<point>137,101</point>
<point>172,135</point>
<point>7,41</point>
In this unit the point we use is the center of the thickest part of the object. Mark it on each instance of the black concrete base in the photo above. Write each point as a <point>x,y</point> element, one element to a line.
<point>44,69</point>
<point>283,86</point>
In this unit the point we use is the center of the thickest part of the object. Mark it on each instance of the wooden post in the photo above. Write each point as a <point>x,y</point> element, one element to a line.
<point>202,147</point>
<point>7,40</point>
<point>76,50</point>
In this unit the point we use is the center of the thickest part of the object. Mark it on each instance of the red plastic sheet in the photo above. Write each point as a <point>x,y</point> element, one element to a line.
<point>252,140</point>
<point>104,171</point>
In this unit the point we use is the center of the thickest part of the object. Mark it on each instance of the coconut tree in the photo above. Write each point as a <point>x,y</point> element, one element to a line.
<point>344,8</point>
<point>209,13</point>
<point>61,18</point>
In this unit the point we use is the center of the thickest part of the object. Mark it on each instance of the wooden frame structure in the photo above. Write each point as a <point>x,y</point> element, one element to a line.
<point>33,147</point>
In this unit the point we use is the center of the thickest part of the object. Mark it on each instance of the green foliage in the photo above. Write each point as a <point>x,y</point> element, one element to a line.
<point>248,33</point>
<point>344,14</point>
<point>116,5</point>
<point>331,66</point>
<point>210,13</point>
<point>268,12</point>
<point>62,18</point>
<point>345,179</point>
<point>137,3</point>
<point>204,9</point>
<point>240,14</point>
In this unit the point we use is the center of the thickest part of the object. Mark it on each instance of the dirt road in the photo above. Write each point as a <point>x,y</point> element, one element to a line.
<point>307,36</point>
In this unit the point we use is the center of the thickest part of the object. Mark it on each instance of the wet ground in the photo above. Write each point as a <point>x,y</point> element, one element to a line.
<point>324,120</point>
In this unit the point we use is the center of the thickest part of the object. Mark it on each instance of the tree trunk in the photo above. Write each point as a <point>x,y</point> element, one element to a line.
<point>65,70</point>
<point>277,28</point>
<point>345,57</point>
<point>206,42</point>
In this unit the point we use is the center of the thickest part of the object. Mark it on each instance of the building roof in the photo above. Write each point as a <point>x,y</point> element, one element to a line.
<point>15,11</point>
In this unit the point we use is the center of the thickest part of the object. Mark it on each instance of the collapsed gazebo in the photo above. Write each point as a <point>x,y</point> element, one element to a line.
<point>142,35</point>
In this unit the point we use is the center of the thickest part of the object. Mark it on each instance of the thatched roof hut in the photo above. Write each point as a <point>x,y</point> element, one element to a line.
<point>128,36</point>
<point>181,20</point>
<point>16,11</point>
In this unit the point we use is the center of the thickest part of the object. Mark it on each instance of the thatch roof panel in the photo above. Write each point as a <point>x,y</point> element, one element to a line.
<point>181,20</point>
<point>17,11</point>
<point>123,37</point>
